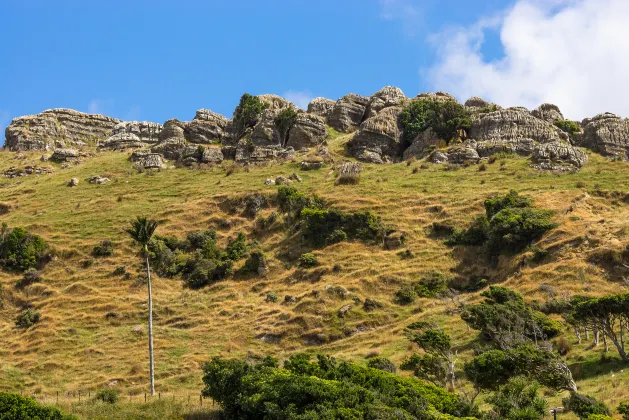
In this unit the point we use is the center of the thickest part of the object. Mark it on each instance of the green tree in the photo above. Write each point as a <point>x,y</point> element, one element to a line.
<point>247,113</point>
<point>518,399</point>
<point>141,231</point>
<point>446,118</point>
<point>584,406</point>
<point>284,121</point>
<point>16,407</point>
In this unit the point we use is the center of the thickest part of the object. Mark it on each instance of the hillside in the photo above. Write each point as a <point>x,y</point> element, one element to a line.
<point>92,332</point>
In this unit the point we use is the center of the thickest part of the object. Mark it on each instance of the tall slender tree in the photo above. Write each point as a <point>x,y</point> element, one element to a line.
<point>141,231</point>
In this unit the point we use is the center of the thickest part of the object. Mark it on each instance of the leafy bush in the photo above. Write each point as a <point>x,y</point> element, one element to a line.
<point>308,260</point>
<point>584,405</point>
<point>476,234</point>
<point>382,363</point>
<point>623,408</point>
<point>518,399</point>
<point>284,122</point>
<point>512,199</point>
<point>570,127</point>
<point>237,248</point>
<point>104,249</point>
<point>336,236</point>
<point>27,318</point>
<point>321,226</point>
<point>271,297</point>
<point>292,202</point>
<point>16,407</point>
<point>204,271</point>
<point>109,396</point>
<point>515,228</point>
<point>30,276</point>
<point>405,295</point>
<point>20,249</point>
<point>445,118</point>
<point>432,286</point>
<point>247,113</point>
<point>254,263</point>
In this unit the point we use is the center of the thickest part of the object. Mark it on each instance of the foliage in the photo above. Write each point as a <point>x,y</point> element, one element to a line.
<point>292,202</point>
<point>405,295</point>
<point>284,122</point>
<point>104,249</point>
<point>570,127</point>
<point>623,408</point>
<point>325,389</point>
<point>308,260</point>
<point>382,363</point>
<point>200,272</point>
<point>584,405</point>
<point>27,318</point>
<point>432,286</point>
<point>141,231</point>
<point>16,407</point>
<point>21,250</point>
<point>511,200</point>
<point>476,234</point>
<point>237,248</point>
<point>518,399</point>
<point>29,277</point>
<point>247,113</point>
<point>109,396</point>
<point>256,260</point>
<point>271,297</point>
<point>445,118</point>
<point>321,227</point>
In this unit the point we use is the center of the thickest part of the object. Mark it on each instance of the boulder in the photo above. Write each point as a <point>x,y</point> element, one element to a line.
<point>265,132</point>
<point>65,155</point>
<point>607,134</point>
<point>558,156</point>
<point>97,179</point>
<point>282,180</point>
<point>171,140</point>
<point>438,96</point>
<point>548,112</point>
<point>438,156</point>
<point>381,134</point>
<point>276,103</point>
<point>132,134</point>
<point>348,112</point>
<point>321,107</point>
<point>476,102</point>
<point>247,152</point>
<point>295,177</point>
<point>309,130</point>
<point>463,154</point>
<point>309,166</point>
<point>73,182</point>
<point>146,159</point>
<point>394,240</point>
<point>122,141</point>
<point>384,98</point>
<point>512,124</point>
<point>344,310</point>
<point>522,147</point>
<point>206,128</point>
<point>422,144</point>
<point>65,126</point>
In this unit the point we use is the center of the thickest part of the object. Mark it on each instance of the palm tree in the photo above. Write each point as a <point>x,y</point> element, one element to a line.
<point>141,231</point>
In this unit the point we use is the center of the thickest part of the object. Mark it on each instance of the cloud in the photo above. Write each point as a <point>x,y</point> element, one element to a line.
<point>299,98</point>
<point>404,11</point>
<point>99,106</point>
<point>573,53</point>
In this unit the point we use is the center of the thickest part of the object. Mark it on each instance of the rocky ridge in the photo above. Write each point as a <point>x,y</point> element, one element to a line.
<point>210,138</point>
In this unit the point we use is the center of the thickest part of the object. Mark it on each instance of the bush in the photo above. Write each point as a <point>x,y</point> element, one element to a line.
<point>570,127</point>
<point>476,234</point>
<point>109,396</point>
<point>308,260</point>
<point>255,262</point>
<point>237,248</point>
<point>512,199</point>
<point>104,249</point>
<point>405,295</point>
<point>584,405</point>
<point>27,318</point>
<point>445,118</point>
<point>284,122</point>
<point>30,276</point>
<point>292,202</point>
<point>200,271</point>
<point>247,113</point>
<point>321,227</point>
<point>514,229</point>
<point>432,287</point>
<point>623,408</point>
<point>271,297</point>
<point>21,250</point>
<point>382,363</point>
<point>16,407</point>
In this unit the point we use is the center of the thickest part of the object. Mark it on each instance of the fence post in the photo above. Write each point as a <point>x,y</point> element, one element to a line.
<point>145,397</point>
<point>57,397</point>
<point>159,395</point>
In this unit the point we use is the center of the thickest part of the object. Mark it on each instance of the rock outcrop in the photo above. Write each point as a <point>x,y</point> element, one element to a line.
<point>513,124</point>
<point>57,128</point>
<point>276,102</point>
<point>348,112</point>
<point>558,156</point>
<point>321,107</point>
<point>172,141</point>
<point>65,155</point>
<point>207,127</point>
<point>146,159</point>
<point>132,134</point>
<point>607,134</point>
<point>308,131</point>
<point>386,97</point>
<point>548,112</point>
<point>379,138</point>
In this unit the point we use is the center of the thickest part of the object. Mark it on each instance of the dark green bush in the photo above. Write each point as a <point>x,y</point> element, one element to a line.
<point>433,286</point>
<point>254,263</point>
<point>237,248</point>
<point>27,318</point>
<point>16,407</point>
<point>321,226</point>
<point>513,229</point>
<point>623,408</point>
<point>247,113</point>
<point>445,118</point>
<point>284,122</point>
<point>476,234</point>
<point>584,405</point>
<point>104,249</point>
<point>271,297</point>
<point>292,202</point>
<point>405,295</point>
<point>109,396</point>
<point>20,249</point>
<point>570,127</point>
<point>512,199</point>
<point>382,363</point>
<point>308,260</point>
<point>518,399</point>
<point>204,271</point>
<point>336,236</point>
<point>30,276</point>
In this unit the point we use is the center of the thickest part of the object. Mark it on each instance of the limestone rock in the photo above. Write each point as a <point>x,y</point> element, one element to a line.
<point>421,144</point>
<point>438,96</point>
<point>438,156</point>
<point>247,152</point>
<point>321,107</point>
<point>348,112</point>
<point>385,97</point>
<point>522,147</point>
<point>381,135</point>
<point>607,134</point>
<point>73,182</point>
<point>171,140</point>
<point>344,309</point>
<point>309,130</point>
<point>212,155</point>
<point>462,154</point>
<point>476,102</point>
<point>132,134</point>
<point>97,179</point>
<point>282,180</point>
<point>295,177</point>
<point>206,127</point>
<point>65,155</point>
<point>148,160</point>
<point>65,126</point>
<point>265,132</point>
<point>276,103</point>
<point>558,155</point>
<point>548,112</point>
<point>122,141</point>
<point>309,166</point>
<point>513,124</point>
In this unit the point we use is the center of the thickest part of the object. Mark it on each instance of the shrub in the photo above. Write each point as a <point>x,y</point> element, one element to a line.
<point>109,396</point>
<point>584,405</point>
<point>518,399</point>
<point>623,408</point>
<point>255,262</point>
<point>515,228</point>
<point>570,127</point>
<point>284,122</point>
<point>237,248</point>
<point>271,297</point>
<point>512,199</point>
<point>308,260</point>
<point>292,202</point>
<point>201,271</point>
<point>104,249</point>
<point>432,287</point>
<point>336,236</point>
<point>405,295</point>
<point>382,363</point>
<point>445,118</point>
<point>476,234</point>
<point>16,407</point>
<point>20,249</point>
<point>121,270</point>
<point>27,318</point>
<point>30,276</point>
<point>321,226</point>
<point>247,113</point>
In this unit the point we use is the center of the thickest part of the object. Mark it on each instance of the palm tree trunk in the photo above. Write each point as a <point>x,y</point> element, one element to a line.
<point>151,366</point>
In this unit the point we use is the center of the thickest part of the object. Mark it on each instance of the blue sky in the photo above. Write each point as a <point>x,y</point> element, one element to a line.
<point>154,60</point>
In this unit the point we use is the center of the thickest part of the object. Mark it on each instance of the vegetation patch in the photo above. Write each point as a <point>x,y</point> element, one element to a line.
<point>446,118</point>
<point>21,250</point>
<point>13,406</point>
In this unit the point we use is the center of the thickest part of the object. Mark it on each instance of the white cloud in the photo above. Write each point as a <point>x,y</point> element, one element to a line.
<point>573,53</point>
<point>99,106</point>
<point>299,98</point>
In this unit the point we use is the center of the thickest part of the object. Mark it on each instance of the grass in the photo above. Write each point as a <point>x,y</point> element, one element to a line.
<point>80,345</point>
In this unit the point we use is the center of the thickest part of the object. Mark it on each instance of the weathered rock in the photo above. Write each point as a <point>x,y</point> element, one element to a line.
<point>28,170</point>
<point>476,102</point>
<point>513,124</point>
<point>462,154</point>
<point>97,179</point>
<point>212,155</point>
<point>385,97</point>
<point>522,147</point>
<point>422,144</point>
<point>269,181</point>
<point>247,152</point>
<point>152,161</point>
<point>282,180</point>
<point>348,112</point>
<point>548,112</point>
<point>438,156</point>
<point>344,310</point>
<point>206,128</point>
<point>265,132</point>
<point>73,182</point>
<point>321,107</point>
<point>395,240</point>
<point>276,103</point>
<point>436,96</point>
<point>132,134</point>
<point>65,155</point>
<point>309,166</point>
<point>171,140</point>
<point>122,141</point>
<point>381,135</point>
<point>308,131</point>
<point>64,126</point>
<point>607,134</point>
<point>558,155</point>
<point>44,158</point>
<point>295,177</point>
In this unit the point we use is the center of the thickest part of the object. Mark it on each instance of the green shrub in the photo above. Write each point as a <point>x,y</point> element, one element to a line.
<point>476,234</point>
<point>109,396</point>
<point>104,249</point>
<point>512,199</point>
<point>30,276</point>
<point>584,405</point>
<point>271,297</point>
<point>16,407</point>
<point>247,113</point>
<point>27,318</point>
<point>405,295</point>
<point>433,286</point>
<point>518,399</point>
<point>514,229</point>
<point>445,118</point>
<point>322,226</point>
<point>308,260</point>
<point>21,250</point>
<point>254,262</point>
<point>570,127</point>
<point>205,271</point>
<point>382,363</point>
<point>284,122</point>
<point>336,236</point>
<point>237,248</point>
<point>623,408</point>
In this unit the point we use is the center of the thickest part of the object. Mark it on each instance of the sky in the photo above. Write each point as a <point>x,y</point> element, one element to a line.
<point>155,60</point>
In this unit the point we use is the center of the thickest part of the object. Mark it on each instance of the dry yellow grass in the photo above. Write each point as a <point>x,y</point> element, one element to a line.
<point>86,338</point>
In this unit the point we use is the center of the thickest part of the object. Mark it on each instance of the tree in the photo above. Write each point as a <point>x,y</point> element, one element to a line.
<point>247,113</point>
<point>437,365</point>
<point>141,231</point>
<point>518,400</point>
<point>584,406</point>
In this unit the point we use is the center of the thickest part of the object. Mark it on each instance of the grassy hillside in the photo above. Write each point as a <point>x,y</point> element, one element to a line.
<point>93,329</point>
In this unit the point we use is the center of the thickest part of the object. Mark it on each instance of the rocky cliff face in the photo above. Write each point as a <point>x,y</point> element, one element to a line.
<point>209,137</point>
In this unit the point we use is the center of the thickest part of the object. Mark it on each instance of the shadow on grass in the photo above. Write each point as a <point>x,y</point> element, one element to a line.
<point>596,366</point>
